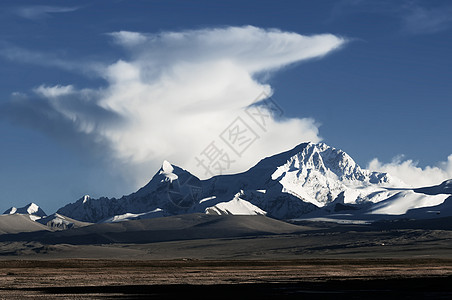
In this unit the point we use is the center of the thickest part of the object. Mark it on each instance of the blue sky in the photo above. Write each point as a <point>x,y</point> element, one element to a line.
<point>95,94</point>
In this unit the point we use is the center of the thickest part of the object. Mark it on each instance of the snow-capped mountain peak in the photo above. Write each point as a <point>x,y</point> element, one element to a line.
<point>167,171</point>
<point>171,190</point>
<point>328,161</point>
<point>86,198</point>
<point>318,173</point>
<point>31,209</point>
<point>169,175</point>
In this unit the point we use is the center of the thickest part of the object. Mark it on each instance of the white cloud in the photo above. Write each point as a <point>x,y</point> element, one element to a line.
<point>179,91</point>
<point>413,175</point>
<point>128,38</point>
<point>54,91</point>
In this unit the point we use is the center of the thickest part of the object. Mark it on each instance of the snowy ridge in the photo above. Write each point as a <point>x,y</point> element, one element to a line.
<point>310,179</point>
<point>59,222</point>
<point>156,213</point>
<point>169,192</point>
<point>443,188</point>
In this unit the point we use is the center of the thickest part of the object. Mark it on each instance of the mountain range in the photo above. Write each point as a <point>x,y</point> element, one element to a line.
<point>310,181</point>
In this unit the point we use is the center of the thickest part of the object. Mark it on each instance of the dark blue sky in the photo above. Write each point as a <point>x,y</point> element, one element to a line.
<point>386,92</point>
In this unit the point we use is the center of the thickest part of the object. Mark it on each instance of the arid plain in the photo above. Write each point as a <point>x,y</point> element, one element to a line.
<point>230,255</point>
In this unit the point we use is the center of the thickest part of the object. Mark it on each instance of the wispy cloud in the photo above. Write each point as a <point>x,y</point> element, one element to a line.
<point>177,93</point>
<point>18,54</point>
<point>414,17</point>
<point>34,12</point>
<point>421,20</point>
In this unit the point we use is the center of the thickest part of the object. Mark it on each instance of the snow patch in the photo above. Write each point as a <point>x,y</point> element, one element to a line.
<point>236,206</point>
<point>158,212</point>
<point>167,170</point>
<point>32,208</point>
<point>86,198</point>
<point>34,218</point>
<point>207,199</point>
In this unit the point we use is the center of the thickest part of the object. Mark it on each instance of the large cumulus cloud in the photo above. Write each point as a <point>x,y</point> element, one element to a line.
<point>175,93</point>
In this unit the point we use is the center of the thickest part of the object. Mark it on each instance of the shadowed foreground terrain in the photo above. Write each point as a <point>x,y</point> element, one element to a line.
<point>316,278</point>
<point>221,256</point>
<point>200,236</point>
